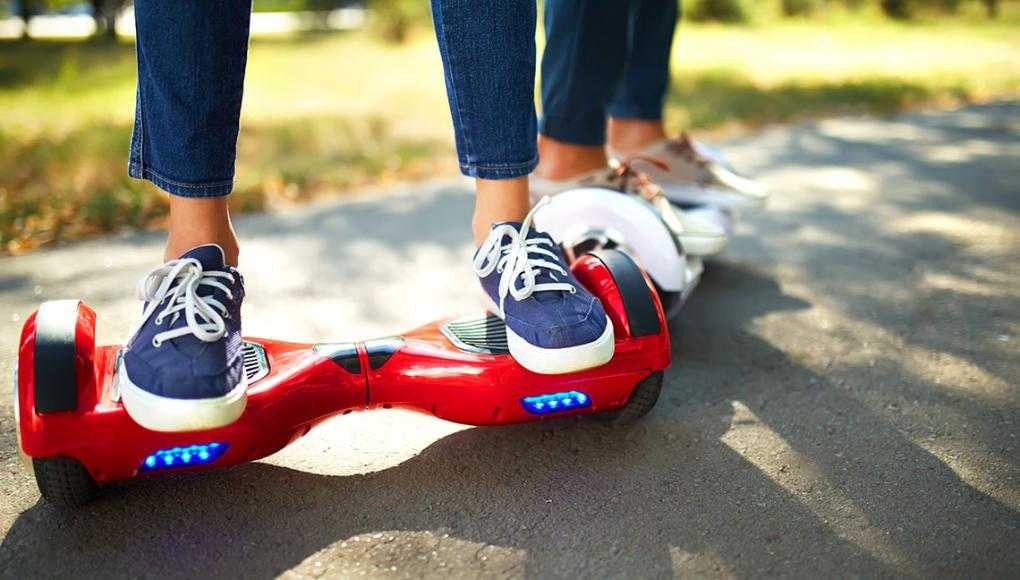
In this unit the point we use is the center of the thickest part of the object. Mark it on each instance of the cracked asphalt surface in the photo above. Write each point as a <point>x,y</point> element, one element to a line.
<point>842,402</point>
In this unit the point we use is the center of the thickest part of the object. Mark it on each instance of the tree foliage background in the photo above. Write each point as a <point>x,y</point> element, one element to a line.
<point>744,10</point>
<point>394,19</point>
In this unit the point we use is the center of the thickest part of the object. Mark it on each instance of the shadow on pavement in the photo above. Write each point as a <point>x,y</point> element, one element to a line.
<point>574,495</point>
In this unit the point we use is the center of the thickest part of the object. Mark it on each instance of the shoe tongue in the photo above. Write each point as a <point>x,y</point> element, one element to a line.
<point>210,256</point>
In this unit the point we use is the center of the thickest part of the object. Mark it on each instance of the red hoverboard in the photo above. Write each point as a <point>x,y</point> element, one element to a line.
<point>72,425</point>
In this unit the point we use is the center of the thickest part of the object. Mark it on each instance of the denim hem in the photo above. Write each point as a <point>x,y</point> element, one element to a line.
<point>575,130</point>
<point>210,189</point>
<point>499,170</point>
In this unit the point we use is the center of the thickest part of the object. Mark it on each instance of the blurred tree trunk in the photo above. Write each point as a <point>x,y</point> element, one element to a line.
<point>899,9</point>
<point>992,7</point>
<point>798,7</point>
<point>950,6</point>
<point>718,11</point>
<point>105,14</point>
<point>25,13</point>
<point>394,19</point>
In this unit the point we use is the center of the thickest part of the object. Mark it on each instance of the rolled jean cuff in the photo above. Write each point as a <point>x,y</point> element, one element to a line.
<point>179,188</point>
<point>575,130</point>
<point>497,171</point>
<point>645,112</point>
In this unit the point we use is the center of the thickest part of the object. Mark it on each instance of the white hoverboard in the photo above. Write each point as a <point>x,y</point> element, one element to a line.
<point>591,218</point>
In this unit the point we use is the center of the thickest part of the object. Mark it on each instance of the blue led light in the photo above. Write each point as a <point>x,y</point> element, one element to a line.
<point>191,455</point>
<point>553,402</point>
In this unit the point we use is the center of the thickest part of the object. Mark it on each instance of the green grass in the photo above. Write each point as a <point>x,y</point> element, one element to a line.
<point>325,113</point>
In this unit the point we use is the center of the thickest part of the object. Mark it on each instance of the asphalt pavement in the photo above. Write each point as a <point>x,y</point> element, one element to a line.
<point>843,399</point>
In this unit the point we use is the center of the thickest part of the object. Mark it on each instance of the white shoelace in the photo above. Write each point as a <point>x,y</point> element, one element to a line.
<point>180,280</point>
<point>519,258</point>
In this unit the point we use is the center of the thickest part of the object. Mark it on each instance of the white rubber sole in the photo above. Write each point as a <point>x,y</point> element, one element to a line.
<point>557,361</point>
<point>164,414</point>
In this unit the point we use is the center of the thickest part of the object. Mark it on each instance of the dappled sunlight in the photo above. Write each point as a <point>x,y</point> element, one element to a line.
<point>851,129</point>
<point>964,152</point>
<point>966,229</point>
<point>826,329</point>
<point>846,180</point>
<point>972,463</point>
<point>410,554</point>
<point>360,443</point>
<point>970,285</point>
<point>766,449</point>
<point>706,564</point>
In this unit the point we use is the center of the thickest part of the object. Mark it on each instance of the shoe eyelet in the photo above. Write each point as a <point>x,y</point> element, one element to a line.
<point>158,321</point>
<point>156,343</point>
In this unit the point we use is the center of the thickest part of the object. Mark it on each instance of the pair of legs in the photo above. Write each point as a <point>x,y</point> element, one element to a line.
<point>182,367</point>
<point>192,58</point>
<point>605,73</point>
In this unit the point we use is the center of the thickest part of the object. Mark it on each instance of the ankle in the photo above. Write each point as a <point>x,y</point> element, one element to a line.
<point>504,200</point>
<point>631,136</point>
<point>200,221</point>
<point>561,160</point>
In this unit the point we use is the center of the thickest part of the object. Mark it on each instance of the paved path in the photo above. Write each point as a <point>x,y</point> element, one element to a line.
<point>843,399</point>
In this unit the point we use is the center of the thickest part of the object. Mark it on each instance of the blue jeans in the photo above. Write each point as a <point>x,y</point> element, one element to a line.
<point>191,64</point>
<point>604,58</point>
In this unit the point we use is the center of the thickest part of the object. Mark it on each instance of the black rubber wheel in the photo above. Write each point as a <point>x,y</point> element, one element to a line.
<point>641,401</point>
<point>64,482</point>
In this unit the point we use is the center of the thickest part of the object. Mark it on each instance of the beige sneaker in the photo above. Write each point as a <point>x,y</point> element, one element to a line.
<point>699,236</point>
<point>692,175</point>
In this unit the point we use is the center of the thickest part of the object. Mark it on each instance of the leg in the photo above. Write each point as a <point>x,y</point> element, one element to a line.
<point>195,221</point>
<point>636,110</point>
<point>636,125</point>
<point>583,62</point>
<point>488,53</point>
<point>553,324</point>
<point>496,201</point>
<point>191,61</point>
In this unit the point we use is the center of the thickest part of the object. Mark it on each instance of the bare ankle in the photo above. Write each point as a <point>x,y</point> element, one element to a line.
<point>630,136</point>
<point>199,221</point>
<point>504,200</point>
<point>561,160</point>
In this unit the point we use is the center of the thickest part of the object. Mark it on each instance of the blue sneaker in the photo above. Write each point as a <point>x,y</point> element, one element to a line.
<point>182,370</point>
<point>553,324</point>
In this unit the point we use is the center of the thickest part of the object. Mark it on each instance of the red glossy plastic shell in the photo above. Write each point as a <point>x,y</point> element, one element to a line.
<point>303,387</point>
